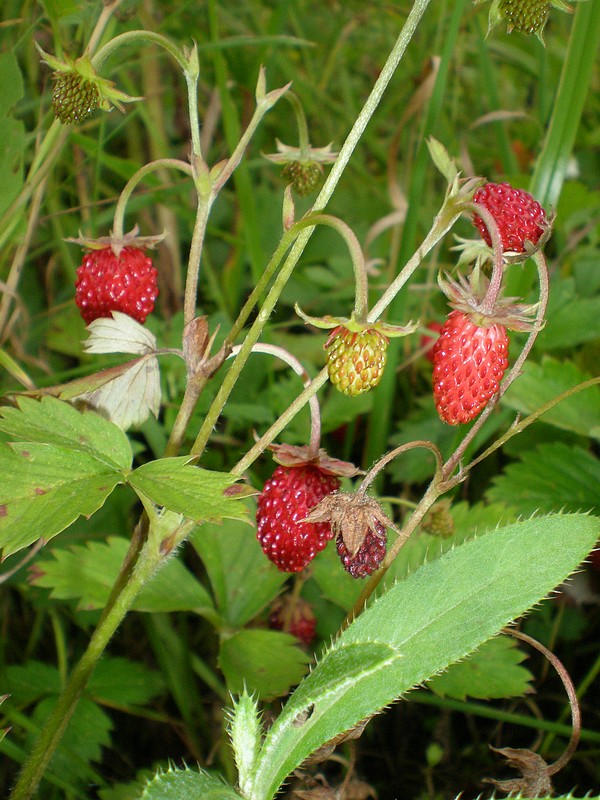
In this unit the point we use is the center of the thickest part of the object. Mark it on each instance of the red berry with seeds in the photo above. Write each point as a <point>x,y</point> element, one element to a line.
<point>369,555</point>
<point>107,282</point>
<point>469,362</point>
<point>294,615</point>
<point>285,501</point>
<point>519,217</point>
<point>355,359</point>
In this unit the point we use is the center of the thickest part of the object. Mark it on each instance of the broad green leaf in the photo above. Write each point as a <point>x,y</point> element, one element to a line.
<point>26,683</point>
<point>45,488</point>
<point>187,784</point>
<point>124,682</point>
<point>431,619</point>
<point>571,321</point>
<point>265,662</point>
<point>86,573</point>
<point>61,10</point>
<point>198,494</point>
<point>492,671</point>
<point>243,580</point>
<point>53,421</point>
<point>12,131</point>
<point>541,383</point>
<point>552,477</point>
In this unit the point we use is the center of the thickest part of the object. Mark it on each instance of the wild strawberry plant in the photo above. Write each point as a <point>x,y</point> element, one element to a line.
<point>137,468</point>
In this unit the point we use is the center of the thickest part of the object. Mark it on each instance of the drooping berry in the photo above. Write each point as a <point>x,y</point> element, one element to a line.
<point>107,282</point>
<point>526,16</point>
<point>519,217</point>
<point>286,499</point>
<point>369,555</point>
<point>74,98</point>
<point>469,362</point>
<point>295,615</point>
<point>304,176</point>
<point>355,359</point>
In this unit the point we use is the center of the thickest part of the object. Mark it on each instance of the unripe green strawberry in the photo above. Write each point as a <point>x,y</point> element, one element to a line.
<point>355,359</point>
<point>304,177</point>
<point>74,98</point>
<point>439,521</point>
<point>526,16</point>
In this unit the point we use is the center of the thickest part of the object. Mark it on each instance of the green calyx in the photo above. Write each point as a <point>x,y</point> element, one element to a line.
<point>79,90</point>
<point>355,325</point>
<point>526,16</point>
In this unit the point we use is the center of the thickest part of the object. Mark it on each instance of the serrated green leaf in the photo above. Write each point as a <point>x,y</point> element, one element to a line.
<point>187,784</point>
<point>541,383</point>
<point>490,672</point>
<point>53,421</point>
<point>552,477</point>
<point>87,733</point>
<point>124,682</point>
<point>86,573</point>
<point>243,580</point>
<point>265,662</point>
<point>27,683</point>
<point>420,626</point>
<point>571,320</point>
<point>45,488</point>
<point>198,494</point>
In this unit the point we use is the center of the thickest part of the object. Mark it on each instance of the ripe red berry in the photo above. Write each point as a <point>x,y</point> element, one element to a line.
<point>285,501</point>
<point>519,217</point>
<point>369,555</point>
<point>295,615</point>
<point>107,282</point>
<point>468,364</point>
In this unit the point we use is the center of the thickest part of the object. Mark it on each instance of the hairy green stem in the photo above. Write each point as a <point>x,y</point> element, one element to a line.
<point>58,720</point>
<point>140,36</point>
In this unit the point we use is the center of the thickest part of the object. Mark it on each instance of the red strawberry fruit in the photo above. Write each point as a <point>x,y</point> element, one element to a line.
<point>294,615</point>
<point>469,362</point>
<point>108,282</point>
<point>519,217</point>
<point>369,555</point>
<point>287,497</point>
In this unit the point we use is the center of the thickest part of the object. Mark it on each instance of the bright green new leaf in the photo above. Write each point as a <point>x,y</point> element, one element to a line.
<point>265,662</point>
<point>431,619</point>
<point>245,732</point>
<point>198,494</point>
<point>87,573</point>
<point>187,784</point>
<point>492,671</point>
